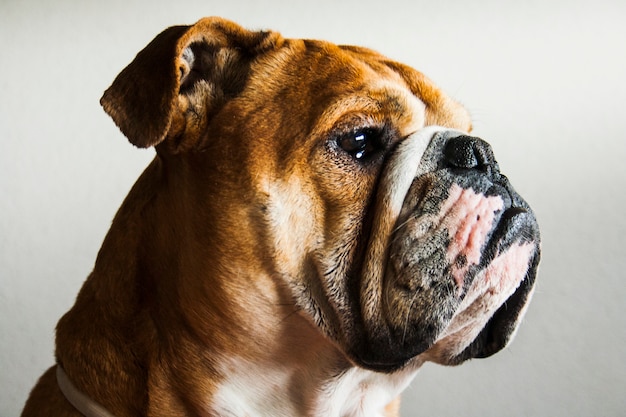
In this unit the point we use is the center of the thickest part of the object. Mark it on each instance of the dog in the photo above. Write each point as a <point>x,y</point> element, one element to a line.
<point>316,224</point>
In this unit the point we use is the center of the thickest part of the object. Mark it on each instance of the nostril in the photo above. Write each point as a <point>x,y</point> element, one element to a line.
<point>468,152</point>
<point>459,152</point>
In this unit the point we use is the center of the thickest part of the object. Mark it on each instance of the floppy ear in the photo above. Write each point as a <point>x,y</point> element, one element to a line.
<point>180,78</point>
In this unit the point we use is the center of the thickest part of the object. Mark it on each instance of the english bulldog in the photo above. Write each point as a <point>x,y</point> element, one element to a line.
<point>317,223</point>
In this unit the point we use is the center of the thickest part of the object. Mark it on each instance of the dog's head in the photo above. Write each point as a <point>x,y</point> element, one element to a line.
<point>353,183</point>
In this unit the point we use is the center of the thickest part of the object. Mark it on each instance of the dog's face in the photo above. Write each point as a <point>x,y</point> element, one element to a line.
<point>395,238</point>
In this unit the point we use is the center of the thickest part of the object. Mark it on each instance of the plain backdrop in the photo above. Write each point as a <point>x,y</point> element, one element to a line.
<point>544,80</point>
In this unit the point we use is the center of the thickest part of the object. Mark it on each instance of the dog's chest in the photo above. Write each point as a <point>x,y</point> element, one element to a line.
<point>360,393</point>
<point>276,390</point>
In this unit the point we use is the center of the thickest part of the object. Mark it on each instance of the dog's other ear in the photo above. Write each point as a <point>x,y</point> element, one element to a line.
<point>182,77</point>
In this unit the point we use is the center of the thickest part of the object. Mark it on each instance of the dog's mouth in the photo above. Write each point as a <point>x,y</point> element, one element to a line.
<point>460,262</point>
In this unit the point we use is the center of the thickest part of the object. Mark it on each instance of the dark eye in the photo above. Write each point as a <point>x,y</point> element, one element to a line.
<point>361,143</point>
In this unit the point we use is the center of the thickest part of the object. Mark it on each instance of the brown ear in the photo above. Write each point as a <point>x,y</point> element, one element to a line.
<point>149,98</point>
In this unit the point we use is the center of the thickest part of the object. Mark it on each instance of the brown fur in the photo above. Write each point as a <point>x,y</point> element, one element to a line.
<point>188,269</point>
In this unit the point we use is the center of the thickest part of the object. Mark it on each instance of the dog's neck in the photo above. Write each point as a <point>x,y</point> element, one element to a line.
<point>207,363</point>
<point>257,389</point>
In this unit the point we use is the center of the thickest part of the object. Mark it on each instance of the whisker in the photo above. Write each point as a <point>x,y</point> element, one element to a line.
<point>406,318</point>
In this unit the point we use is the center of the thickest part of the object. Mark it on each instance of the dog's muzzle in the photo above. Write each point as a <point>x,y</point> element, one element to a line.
<point>461,260</point>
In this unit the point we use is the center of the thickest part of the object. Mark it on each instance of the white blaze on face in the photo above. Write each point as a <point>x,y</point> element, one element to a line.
<point>402,169</point>
<point>394,185</point>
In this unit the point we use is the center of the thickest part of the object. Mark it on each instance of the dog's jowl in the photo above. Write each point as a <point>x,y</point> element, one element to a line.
<point>317,223</point>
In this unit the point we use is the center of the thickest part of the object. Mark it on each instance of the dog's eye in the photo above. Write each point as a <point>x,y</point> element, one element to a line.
<point>360,143</point>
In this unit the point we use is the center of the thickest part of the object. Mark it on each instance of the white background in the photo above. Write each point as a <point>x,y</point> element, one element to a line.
<point>544,80</point>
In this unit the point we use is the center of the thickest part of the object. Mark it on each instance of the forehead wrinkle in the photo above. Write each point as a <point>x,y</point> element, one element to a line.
<point>382,102</point>
<point>376,92</point>
<point>402,107</point>
<point>383,95</point>
<point>358,106</point>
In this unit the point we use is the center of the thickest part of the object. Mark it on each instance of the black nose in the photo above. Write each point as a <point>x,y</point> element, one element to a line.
<point>469,152</point>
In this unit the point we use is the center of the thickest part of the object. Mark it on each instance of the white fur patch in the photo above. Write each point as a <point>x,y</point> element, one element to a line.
<point>253,390</point>
<point>361,393</point>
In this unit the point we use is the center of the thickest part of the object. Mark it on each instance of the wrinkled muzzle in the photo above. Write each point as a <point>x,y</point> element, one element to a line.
<point>458,250</point>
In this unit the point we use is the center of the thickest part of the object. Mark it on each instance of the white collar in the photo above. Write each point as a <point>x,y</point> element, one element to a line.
<point>84,404</point>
